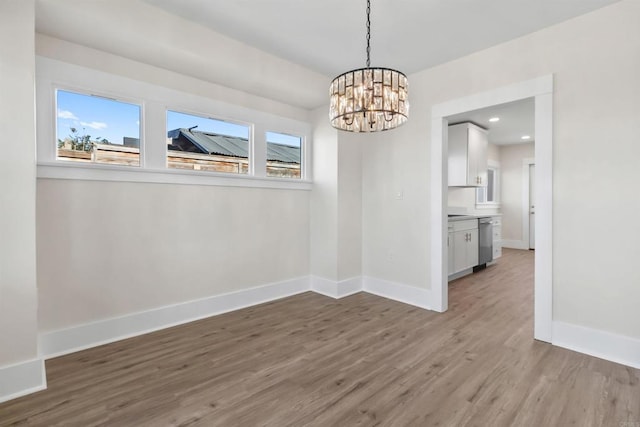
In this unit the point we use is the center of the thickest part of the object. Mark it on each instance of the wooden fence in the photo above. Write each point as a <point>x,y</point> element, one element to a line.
<point>122,155</point>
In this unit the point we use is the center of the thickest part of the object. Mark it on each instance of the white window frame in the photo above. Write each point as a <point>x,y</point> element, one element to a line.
<point>495,166</point>
<point>155,102</point>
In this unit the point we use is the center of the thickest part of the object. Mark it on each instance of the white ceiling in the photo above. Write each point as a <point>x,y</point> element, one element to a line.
<point>288,50</point>
<point>328,36</point>
<point>516,119</point>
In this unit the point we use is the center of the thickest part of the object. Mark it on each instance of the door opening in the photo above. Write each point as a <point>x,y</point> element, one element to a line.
<point>542,90</point>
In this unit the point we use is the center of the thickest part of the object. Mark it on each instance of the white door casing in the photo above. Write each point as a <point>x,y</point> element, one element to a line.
<point>542,89</point>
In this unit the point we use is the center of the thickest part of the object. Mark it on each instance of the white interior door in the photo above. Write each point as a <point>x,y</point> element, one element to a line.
<point>532,206</point>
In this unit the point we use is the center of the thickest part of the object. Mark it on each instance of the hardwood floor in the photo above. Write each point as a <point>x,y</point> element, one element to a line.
<point>362,360</point>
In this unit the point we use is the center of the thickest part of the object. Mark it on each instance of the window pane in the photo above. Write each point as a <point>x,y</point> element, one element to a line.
<point>92,129</point>
<point>199,143</point>
<point>480,195</point>
<point>490,185</point>
<point>283,155</point>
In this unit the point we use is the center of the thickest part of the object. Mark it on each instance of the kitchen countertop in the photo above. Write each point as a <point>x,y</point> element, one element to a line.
<point>470,216</point>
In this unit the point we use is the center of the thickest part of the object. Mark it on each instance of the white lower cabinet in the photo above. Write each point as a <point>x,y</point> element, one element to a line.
<point>463,236</point>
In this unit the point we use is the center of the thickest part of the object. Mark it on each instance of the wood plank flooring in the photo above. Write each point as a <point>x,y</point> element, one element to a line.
<point>309,360</point>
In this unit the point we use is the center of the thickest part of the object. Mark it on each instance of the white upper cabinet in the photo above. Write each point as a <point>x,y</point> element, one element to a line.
<point>468,151</point>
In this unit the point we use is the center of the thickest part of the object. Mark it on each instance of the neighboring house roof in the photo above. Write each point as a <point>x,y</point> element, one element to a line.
<point>232,146</point>
<point>283,153</point>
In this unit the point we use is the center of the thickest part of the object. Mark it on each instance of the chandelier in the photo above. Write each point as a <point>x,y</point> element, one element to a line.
<point>369,99</point>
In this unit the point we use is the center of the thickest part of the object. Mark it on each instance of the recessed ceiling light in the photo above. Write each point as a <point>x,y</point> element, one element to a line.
<point>525,137</point>
<point>494,119</point>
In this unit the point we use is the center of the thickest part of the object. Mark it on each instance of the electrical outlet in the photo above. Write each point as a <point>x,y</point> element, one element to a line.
<point>399,194</point>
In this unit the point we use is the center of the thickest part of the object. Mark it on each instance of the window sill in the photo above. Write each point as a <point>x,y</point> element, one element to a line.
<point>97,172</point>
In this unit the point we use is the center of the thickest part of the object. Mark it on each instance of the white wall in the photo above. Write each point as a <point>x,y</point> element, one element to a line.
<point>336,202</point>
<point>595,62</point>
<point>139,31</point>
<point>18,303</point>
<point>511,157</point>
<point>21,369</point>
<point>324,198</point>
<point>396,230</point>
<point>349,206</point>
<point>462,198</point>
<point>73,53</point>
<point>108,249</point>
<point>493,152</point>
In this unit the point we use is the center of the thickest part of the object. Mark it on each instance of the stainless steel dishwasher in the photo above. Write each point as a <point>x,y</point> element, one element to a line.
<point>485,241</point>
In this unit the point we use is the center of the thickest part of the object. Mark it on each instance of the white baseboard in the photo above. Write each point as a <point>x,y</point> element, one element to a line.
<point>21,379</point>
<point>460,274</point>
<point>81,337</point>
<point>349,286</point>
<point>76,338</point>
<point>515,244</point>
<point>336,289</point>
<point>604,345</point>
<point>398,292</point>
<point>28,377</point>
<point>326,287</point>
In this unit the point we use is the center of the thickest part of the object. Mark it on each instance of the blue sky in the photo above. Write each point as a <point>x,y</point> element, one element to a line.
<point>280,138</point>
<point>98,117</point>
<point>113,120</point>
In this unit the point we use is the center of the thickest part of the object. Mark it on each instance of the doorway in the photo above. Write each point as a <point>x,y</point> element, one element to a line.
<point>541,89</point>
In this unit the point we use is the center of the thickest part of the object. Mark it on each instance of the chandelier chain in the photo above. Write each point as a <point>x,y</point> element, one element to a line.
<point>368,34</point>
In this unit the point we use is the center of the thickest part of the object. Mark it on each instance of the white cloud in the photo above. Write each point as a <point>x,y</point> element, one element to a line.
<point>64,114</point>
<point>95,125</point>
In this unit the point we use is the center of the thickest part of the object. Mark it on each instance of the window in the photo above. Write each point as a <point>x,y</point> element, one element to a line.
<point>93,129</point>
<point>489,195</point>
<point>94,125</point>
<point>284,155</point>
<point>199,143</point>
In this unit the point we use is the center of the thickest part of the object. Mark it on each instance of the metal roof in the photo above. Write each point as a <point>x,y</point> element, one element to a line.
<point>232,146</point>
<point>283,153</point>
